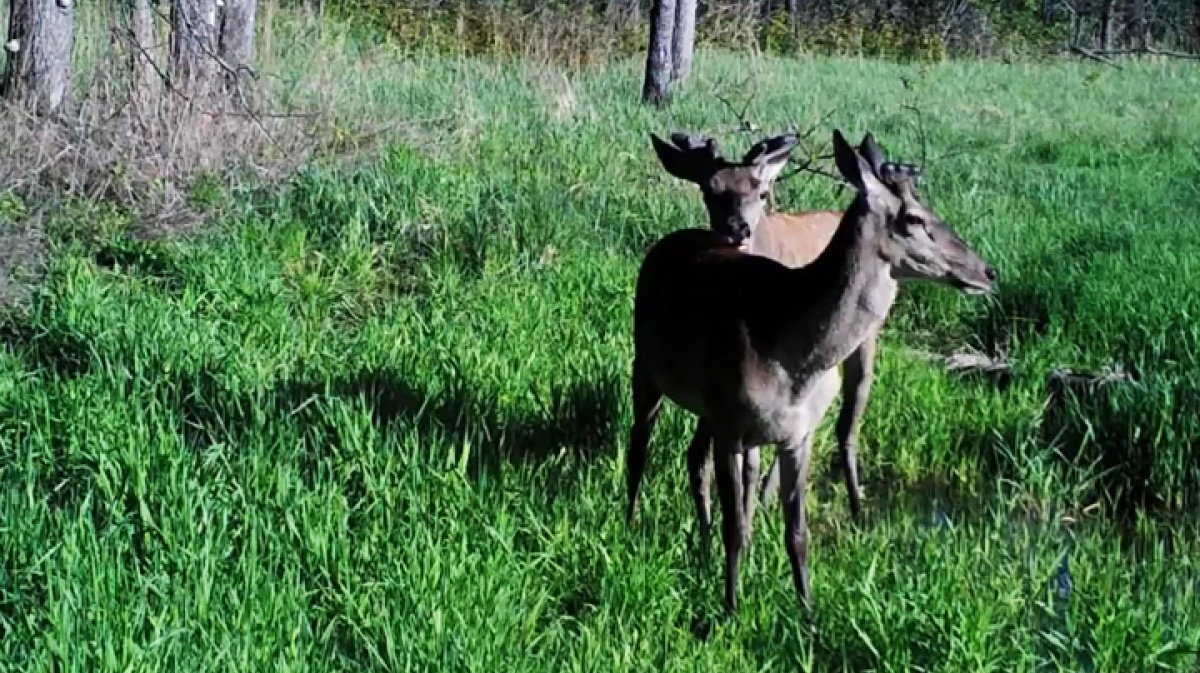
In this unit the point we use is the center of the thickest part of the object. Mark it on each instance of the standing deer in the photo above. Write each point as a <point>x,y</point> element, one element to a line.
<point>752,346</point>
<point>794,240</point>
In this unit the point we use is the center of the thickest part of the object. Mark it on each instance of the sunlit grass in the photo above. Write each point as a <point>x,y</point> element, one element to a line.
<point>377,422</point>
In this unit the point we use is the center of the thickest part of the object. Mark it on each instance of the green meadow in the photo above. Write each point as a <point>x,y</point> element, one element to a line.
<point>373,416</point>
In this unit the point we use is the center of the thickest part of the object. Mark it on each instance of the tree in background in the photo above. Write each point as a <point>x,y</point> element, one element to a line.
<point>683,39</point>
<point>669,54</point>
<point>211,41</point>
<point>194,30</point>
<point>40,47</point>
<point>236,45</point>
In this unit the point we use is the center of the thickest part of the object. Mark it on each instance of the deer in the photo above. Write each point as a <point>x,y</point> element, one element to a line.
<point>794,240</point>
<point>753,346</point>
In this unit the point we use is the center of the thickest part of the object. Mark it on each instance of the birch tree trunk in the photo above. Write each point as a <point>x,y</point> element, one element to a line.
<point>657,87</point>
<point>237,35</point>
<point>193,45</point>
<point>146,80</point>
<point>40,47</point>
<point>683,39</point>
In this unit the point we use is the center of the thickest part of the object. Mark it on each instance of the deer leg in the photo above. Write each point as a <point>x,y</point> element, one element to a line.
<point>750,472</point>
<point>795,459</point>
<point>858,371</point>
<point>729,490</point>
<point>647,401</point>
<point>770,485</point>
<point>700,481</point>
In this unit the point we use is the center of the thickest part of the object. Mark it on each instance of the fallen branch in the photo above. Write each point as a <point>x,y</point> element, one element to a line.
<point>1141,51</point>
<point>1099,58</point>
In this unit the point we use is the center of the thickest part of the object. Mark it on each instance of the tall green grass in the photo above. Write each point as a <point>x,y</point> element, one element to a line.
<point>377,420</point>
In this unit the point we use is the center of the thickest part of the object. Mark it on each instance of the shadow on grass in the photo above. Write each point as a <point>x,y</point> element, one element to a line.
<point>61,353</point>
<point>577,421</point>
<point>153,262</point>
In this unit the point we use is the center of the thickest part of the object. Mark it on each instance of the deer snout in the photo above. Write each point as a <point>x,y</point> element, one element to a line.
<point>739,229</point>
<point>990,272</point>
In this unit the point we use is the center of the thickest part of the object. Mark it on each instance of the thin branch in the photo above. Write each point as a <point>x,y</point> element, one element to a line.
<point>920,129</point>
<point>744,125</point>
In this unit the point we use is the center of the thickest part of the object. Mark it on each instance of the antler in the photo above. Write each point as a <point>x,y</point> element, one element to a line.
<point>893,170</point>
<point>698,144</point>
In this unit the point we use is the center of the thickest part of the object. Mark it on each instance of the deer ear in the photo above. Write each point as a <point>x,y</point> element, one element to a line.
<point>870,151</point>
<point>854,167</point>
<point>681,164</point>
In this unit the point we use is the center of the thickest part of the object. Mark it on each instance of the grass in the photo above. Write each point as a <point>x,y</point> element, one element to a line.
<point>376,419</point>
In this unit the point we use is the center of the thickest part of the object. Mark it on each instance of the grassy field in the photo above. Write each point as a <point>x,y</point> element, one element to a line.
<point>375,419</point>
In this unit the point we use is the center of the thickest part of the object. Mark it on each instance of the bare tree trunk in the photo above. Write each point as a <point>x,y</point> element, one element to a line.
<point>237,34</point>
<point>146,81</point>
<point>1196,27</point>
<point>1106,25</point>
<point>657,87</point>
<point>312,11</point>
<point>193,44</point>
<point>793,11</point>
<point>1140,26</point>
<point>683,39</point>
<point>40,46</point>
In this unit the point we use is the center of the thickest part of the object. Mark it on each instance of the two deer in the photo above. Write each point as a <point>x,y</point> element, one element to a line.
<point>745,327</point>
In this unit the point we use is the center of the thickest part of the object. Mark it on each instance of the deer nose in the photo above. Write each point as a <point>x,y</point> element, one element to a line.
<point>990,272</point>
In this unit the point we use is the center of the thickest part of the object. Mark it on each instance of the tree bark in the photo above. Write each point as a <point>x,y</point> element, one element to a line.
<point>40,48</point>
<point>1140,25</point>
<point>146,79</point>
<point>1106,25</point>
<point>193,44</point>
<point>683,39</point>
<point>657,87</point>
<point>237,33</point>
<point>793,11</point>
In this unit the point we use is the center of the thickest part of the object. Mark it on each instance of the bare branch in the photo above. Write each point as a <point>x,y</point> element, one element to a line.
<point>1076,49</point>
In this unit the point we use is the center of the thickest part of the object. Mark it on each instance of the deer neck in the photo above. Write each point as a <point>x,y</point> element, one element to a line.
<point>851,289</point>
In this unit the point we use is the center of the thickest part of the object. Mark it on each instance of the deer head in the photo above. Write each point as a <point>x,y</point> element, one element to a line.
<point>735,194</point>
<point>914,241</point>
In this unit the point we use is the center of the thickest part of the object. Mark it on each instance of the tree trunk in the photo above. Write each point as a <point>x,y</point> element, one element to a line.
<point>237,34</point>
<point>683,39</point>
<point>141,53</point>
<point>40,45</point>
<point>657,87</point>
<point>1140,25</point>
<point>793,11</point>
<point>1196,27</point>
<point>1106,25</point>
<point>193,44</point>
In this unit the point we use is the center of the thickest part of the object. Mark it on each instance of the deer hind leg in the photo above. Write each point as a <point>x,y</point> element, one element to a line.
<point>700,481</point>
<point>647,401</point>
<point>729,489</point>
<point>770,486</point>
<point>750,474</point>
<point>858,371</point>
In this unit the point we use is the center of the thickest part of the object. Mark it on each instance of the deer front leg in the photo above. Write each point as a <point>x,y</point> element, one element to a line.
<point>857,371</point>
<point>729,489</point>
<point>795,459</point>
<point>700,481</point>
